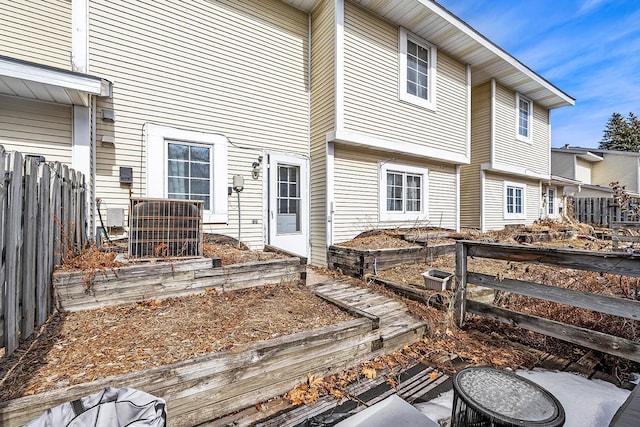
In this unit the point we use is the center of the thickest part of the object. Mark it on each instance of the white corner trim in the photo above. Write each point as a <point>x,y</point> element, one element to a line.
<point>492,123</point>
<point>339,65</point>
<point>331,199</point>
<point>81,140</point>
<point>416,150</point>
<point>156,151</point>
<point>457,198</point>
<point>468,111</point>
<point>483,183</point>
<point>80,36</point>
<point>514,170</point>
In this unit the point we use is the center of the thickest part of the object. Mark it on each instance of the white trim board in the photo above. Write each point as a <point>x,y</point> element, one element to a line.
<point>363,140</point>
<point>155,143</point>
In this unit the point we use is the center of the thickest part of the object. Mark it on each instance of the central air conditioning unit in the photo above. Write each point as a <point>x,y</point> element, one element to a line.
<point>161,228</point>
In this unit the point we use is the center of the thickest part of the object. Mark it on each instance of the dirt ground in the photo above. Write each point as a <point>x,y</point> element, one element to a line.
<point>73,348</point>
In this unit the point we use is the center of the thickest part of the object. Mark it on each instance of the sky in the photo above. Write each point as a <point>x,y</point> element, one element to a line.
<point>590,49</point>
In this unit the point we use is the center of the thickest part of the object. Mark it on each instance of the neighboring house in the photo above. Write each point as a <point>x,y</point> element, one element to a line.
<point>509,178</point>
<point>341,116</point>
<point>596,169</point>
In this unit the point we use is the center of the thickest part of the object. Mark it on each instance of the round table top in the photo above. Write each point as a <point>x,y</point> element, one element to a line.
<point>507,396</point>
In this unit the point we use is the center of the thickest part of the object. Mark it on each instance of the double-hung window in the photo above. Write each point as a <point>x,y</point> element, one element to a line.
<point>189,172</point>
<point>524,111</point>
<point>514,200</point>
<point>403,192</point>
<point>417,70</point>
<point>189,165</point>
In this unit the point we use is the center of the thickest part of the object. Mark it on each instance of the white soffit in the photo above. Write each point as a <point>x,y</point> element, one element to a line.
<point>453,36</point>
<point>33,81</point>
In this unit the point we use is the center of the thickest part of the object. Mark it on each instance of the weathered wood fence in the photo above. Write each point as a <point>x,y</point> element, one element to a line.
<point>602,262</point>
<point>616,237</point>
<point>42,218</point>
<point>602,211</point>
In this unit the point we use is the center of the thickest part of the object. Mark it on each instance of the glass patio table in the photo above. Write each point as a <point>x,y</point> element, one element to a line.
<point>486,396</point>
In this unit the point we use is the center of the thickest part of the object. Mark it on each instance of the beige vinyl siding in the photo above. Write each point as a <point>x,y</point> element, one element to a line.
<point>322,120</point>
<point>494,201</point>
<point>236,68</point>
<point>36,128</point>
<point>583,171</point>
<point>37,31</point>
<point>562,164</point>
<point>617,167</point>
<point>371,97</point>
<point>470,183</point>
<point>357,193</point>
<point>507,149</point>
<point>470,196</point>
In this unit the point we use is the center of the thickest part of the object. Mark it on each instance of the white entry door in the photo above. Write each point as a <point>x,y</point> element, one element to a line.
<point>288,196</point>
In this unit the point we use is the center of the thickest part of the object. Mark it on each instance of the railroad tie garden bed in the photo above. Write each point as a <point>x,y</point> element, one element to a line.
<point>82,290</point>
<point>210,386</point>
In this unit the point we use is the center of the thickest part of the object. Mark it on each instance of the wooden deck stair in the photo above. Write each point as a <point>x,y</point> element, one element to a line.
<point>395,324</point>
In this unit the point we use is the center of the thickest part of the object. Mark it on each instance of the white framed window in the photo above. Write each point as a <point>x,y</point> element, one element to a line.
<point>551,202</point>
<point>418,64</point>
<point>190,165</point>
<point>524,116</point>
<point>514,200</point>
<point>403,192</point>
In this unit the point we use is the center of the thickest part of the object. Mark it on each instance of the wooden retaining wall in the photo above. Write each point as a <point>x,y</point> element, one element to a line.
<point>112,286</point>
<point>358,262</point>
<point>211,386</point>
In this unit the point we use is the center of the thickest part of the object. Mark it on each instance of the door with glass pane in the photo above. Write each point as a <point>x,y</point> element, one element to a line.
<point>288,212</point>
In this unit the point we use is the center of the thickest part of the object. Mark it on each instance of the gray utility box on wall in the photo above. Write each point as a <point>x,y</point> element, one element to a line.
<point>115,217</point>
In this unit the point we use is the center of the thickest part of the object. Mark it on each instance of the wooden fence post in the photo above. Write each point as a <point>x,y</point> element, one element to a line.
<point>44,247</point>
<point>4,184</point>
<point>55,234</point>
<point>13,251</point>
<point>460,293</point>
<point>29,235</point>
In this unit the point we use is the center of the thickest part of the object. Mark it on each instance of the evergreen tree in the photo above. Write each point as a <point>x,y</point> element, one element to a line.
<point>621,134</point>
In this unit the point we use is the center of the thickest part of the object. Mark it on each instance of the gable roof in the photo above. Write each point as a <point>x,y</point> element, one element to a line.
<point>433,22</point>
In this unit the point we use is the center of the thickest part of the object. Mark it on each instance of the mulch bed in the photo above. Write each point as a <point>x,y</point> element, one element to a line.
<point>74,348</point>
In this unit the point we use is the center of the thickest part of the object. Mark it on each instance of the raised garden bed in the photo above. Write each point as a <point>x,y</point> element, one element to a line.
<point>358,262</point>
<point>211,386</point>
<point>82,290</point>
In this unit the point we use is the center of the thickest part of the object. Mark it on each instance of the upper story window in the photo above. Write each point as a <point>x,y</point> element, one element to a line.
<point>403,192</point>
<point>514,200</point>
<point>417,70</point>
<point>524,112</point>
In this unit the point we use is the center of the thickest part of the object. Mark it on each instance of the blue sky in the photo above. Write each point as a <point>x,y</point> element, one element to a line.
<point>590,49</point>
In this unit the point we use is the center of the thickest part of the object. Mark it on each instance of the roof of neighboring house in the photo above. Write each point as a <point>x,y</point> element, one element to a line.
<point>562,180</point>
<point>593,154</point>
<point>455,37</point>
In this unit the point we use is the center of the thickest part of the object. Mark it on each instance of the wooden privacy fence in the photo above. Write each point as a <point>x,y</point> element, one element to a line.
<point>602,262</point>
<point>42,218</point>
<point>602,211</point>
